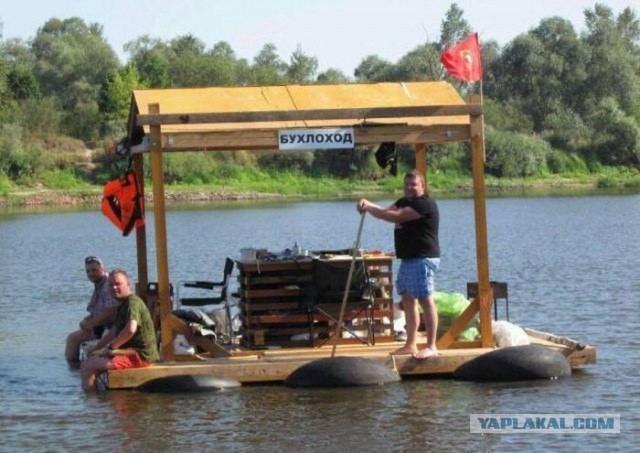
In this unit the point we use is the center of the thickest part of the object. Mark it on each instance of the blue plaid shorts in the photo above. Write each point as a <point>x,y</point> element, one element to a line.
<point>416,276</point>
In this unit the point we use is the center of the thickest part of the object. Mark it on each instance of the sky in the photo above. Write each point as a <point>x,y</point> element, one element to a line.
<point>339,33</point>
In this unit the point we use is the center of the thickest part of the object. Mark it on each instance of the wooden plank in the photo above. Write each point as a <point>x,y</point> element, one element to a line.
<point>264,293</point>
<point>277,330</point>
<point>160,227</point>
<point>279,318</point>
<point>291,318</point>
<point>267,266</point>
<point>421,162</point>
<point>177,325</point>
<point>411,135</point>
<point>141,234</point>
<point>380,274</point>
<point>334,310</point>
<point>482,245</point>
<point>274,280</point>
<point>268,306</point>
<point>276,369</point>
<point>267,140</point>
<point>246,372</point>
<point>156,119</point>
<point>465,344</point>
<point>451,335</point>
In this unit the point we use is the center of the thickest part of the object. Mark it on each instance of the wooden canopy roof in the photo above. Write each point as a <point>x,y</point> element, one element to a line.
<point>207,118</point>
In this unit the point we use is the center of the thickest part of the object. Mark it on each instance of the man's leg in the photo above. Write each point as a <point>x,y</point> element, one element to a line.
<point>431,325</point>
<point>73,344</point>
<point>90,370</point>
<point>412,317</point>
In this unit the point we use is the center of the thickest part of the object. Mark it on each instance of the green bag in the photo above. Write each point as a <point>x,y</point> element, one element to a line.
<point>450,306</point>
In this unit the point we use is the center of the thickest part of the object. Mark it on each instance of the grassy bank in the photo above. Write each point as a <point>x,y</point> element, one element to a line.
<point>259,185</point>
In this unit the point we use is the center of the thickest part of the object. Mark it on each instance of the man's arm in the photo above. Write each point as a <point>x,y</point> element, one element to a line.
<point>104,341</point>
<point>116,341</point>
<point>392,214</point>
<point>107,316</point>
<point>123,336</point>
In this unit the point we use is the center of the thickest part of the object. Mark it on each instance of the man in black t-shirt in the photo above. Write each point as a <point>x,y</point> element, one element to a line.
<point>416,222</point>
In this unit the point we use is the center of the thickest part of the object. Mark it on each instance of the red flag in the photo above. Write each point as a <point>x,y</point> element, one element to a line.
<point>463,60</point>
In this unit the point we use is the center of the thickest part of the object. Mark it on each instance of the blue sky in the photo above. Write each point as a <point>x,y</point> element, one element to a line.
<point>340,33</point>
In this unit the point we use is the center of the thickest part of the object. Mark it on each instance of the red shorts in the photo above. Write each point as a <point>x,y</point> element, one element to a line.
<point>122,362</point>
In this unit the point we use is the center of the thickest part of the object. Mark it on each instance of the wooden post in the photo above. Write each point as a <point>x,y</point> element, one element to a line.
<point>482,246</point>
<point>421,162</point>
<point>141,233</point>
<point>162,260</point>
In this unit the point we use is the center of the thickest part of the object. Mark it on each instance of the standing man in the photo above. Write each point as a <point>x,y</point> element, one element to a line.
<point>102,310</point>
<point>416,221</point>
<point>131,343</point>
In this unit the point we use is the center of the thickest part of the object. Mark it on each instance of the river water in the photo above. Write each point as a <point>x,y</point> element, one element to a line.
<point>571,264</point>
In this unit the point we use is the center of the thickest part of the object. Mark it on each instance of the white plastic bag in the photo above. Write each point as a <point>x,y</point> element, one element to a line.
<point>506,334</point>
<point>181,346</point>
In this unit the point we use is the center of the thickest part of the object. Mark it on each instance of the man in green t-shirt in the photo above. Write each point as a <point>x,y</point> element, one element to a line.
<point>130,343</point>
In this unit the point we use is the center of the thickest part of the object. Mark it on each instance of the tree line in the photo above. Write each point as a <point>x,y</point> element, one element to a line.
<point>556,101</point>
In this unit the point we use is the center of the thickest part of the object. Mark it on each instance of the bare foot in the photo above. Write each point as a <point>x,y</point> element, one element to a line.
<point>426,353</point>
<point>405,350</point>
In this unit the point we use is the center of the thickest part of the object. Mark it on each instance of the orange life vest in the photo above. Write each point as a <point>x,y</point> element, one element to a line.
<point>122,203</point>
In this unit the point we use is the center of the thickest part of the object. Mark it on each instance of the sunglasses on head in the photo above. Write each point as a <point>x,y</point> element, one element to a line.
<point>92,259</point>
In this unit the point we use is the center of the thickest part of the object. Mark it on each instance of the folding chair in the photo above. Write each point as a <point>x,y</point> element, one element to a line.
<point>222,288</point>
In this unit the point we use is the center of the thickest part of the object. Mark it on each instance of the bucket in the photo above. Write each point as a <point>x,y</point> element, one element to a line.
<point>247,255</point>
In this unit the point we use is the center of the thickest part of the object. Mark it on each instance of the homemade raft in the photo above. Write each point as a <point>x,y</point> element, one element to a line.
<point>282,118</point>
<point>253,367</point>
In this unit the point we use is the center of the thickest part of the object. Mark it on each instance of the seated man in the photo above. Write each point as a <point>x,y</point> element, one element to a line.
<point>102,309</point>
<point>131,343</point>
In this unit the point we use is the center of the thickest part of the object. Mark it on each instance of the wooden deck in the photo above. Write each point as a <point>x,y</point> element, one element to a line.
<point>274,365</point>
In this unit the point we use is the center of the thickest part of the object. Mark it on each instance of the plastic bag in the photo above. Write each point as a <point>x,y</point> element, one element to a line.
<point>450,306</point>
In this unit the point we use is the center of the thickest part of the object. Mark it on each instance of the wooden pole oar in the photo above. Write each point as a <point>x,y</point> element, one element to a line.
<point>354,255</point>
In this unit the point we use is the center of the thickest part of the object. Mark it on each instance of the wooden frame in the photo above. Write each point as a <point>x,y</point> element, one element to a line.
<point>369,128</point>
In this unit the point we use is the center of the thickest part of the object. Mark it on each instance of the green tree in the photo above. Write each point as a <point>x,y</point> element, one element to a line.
<point>491,82</point>
<point>454,28</point>
<point>72,60</point>
<point>544,70</point>
<point>225,68</point>
<point>4,89</point>
<point>421,63</point>
<point>373,69</point>
<point>302,67</point>
<point>614,60</point>
<point>268,68</point>
<point>506,116</point>
<point>514,155</point>
<point>188,64</point>
<point>332,75</point>
<point>616,140</point>
<point>149,56</point>
<point>115,98</point>
<point>22,84</point>
<point>17,79</point>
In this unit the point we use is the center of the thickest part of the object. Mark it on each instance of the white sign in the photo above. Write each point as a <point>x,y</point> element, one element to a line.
<point>312,139</point>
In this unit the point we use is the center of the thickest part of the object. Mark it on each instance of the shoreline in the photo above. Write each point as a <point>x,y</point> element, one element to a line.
<point>69,198</point>
<point>92,196</point>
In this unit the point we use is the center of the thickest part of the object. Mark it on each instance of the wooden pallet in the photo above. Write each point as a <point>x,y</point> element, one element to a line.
<point>276,310</point>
